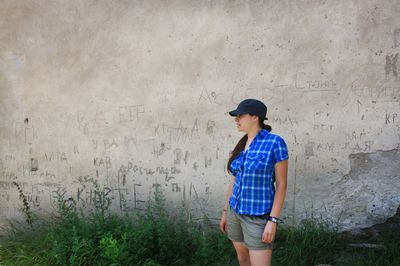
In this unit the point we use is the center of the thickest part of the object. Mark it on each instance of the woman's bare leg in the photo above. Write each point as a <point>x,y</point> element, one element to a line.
<point>242,253</point>
<point>260,257</point>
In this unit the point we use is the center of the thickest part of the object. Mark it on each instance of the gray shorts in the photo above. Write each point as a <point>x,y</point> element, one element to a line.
<point>247,229</point>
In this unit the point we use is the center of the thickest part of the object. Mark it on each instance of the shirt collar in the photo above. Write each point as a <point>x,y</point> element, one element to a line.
<point>262,133</point>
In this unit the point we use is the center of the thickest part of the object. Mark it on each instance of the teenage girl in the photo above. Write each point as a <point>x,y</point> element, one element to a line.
<point>253,203</point>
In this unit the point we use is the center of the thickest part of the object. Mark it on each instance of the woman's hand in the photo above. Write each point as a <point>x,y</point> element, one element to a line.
<point>269,232</point>
<point>222,224</point>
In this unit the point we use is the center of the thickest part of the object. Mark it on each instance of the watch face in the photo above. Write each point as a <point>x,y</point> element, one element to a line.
<point>272,219</point>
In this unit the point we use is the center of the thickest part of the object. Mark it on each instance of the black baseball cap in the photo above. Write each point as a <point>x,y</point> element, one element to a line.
<point>252,107</point>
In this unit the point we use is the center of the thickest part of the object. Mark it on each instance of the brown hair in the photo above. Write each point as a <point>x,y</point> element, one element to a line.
<point>242,143</point>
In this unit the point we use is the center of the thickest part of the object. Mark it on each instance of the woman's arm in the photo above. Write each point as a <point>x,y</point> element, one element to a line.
<point>229,192</point>
<point>281,170</point>
<point>222,223</point>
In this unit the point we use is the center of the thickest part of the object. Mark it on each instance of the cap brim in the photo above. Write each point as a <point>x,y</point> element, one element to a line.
<point>235,113</point>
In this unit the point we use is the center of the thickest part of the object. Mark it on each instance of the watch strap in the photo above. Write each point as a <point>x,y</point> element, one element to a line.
<point>273,219</point>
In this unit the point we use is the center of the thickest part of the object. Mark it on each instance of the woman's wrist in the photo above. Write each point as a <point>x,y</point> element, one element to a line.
<point>273,219</point>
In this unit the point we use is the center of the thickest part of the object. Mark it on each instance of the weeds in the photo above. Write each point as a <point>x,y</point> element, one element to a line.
<point>157,237</point>
<point>26,209</point>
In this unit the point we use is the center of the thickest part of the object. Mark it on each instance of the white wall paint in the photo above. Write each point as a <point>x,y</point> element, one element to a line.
<point>135,93</point>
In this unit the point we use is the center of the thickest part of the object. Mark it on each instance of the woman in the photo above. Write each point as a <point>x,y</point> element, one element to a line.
<point>253,203</point>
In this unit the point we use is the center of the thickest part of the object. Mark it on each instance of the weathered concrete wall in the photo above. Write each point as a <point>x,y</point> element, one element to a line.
<point>135,93</point>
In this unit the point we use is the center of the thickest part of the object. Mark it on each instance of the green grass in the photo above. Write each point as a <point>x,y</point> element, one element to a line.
<point>152,237</point>
<point>315,243</point>
<point>157,237</point>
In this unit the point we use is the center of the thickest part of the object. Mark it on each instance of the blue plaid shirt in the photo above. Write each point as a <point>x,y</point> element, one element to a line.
<point>253,191</point>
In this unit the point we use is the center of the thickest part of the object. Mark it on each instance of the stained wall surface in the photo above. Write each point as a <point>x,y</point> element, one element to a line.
<point>134,95</point>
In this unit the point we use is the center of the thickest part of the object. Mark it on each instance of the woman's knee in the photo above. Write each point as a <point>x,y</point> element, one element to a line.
<point>261,257</point>
<point>242,253</point>
<point>243,260</point>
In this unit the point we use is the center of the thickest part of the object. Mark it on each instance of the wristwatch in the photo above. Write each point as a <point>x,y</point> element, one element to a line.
<point>273,219</point>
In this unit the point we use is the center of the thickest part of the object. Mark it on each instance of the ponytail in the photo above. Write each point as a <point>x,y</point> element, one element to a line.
<point>264,126</point>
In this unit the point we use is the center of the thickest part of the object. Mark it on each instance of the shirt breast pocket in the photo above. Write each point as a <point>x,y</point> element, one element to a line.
<point>256,162</point>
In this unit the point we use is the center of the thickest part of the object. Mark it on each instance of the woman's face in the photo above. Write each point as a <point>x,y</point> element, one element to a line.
<point>246,122</point>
